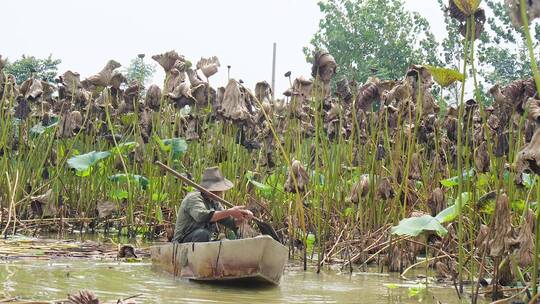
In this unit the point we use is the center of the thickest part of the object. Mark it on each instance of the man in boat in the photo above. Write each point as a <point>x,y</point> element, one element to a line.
<point>198,215</point>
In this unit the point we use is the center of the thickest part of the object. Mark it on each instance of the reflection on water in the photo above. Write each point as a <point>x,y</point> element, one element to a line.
<point>50,280</point>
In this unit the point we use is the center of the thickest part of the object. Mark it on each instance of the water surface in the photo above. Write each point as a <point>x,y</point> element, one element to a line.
<point>111,280</point>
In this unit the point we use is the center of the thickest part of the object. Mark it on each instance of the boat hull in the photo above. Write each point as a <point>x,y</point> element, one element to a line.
<point>258,260</point>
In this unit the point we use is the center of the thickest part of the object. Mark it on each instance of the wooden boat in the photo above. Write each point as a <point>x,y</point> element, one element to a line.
<point>253,260</point>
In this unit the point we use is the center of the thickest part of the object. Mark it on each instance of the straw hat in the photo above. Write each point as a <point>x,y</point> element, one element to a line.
<point>213,180</point>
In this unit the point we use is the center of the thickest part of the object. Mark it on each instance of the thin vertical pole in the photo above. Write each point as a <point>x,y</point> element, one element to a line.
<point>274,71</point>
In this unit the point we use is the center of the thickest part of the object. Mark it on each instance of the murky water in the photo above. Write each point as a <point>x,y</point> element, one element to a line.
<point>53,280</point>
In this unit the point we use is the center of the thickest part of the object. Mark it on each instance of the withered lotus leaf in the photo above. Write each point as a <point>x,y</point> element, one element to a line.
<point>324,66</point>
<point>525,239</point>
<point>529,157</point>
<point>359,190</point>
<point>208,66</point>
<point>533,109</point>
<point>502,234</point>
<point>436,201</point>
<point>168,59</point>
<point>481,158</point>
<point>532,9</point>
<point>153,97</point>
<point>44,205</point>
<point>233,104</point>
<point>103,77</point>
<point>298,173</point>
<point>263,91</point>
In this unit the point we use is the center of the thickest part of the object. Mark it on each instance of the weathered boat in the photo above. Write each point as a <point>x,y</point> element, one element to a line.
<point>259,259</point>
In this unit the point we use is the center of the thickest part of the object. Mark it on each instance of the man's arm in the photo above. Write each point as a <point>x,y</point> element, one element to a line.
<point>237,212</point>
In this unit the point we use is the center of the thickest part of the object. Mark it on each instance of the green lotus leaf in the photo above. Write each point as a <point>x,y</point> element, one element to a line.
<point>178,146</point>
<point>123,178</point>
<point>451,213</point>
<point>124,147</point>
<point>84,161</point>
<point>414,226</point>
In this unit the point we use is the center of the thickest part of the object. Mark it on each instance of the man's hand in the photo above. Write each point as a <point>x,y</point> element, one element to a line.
<point>240,213</point>
<point>246,215</point>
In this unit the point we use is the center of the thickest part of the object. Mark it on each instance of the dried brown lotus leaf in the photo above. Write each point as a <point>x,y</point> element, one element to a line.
<point>103,77</point>
<point>481,158</point>
<point>263,91</point>
<point>502,234</point>
<point>174,79</point>
<point>44,205</point>
<point>455,12</point>
<point>77,119</point>
<point>343,89</point>
<point>192,129</point>
<point>493,122</point>
<point>233,104</point>
<point>532,9</point>
<point>482,238</point>
<point>106,208</point>
<point>334,112</point>
<point>117,80</point>
<point>415,171</point>
<point>296,173</point>
<point>385,191</point>
<point>402,90</point>
<point>72,82</point>
<point>324,66</point>
<point>525,239</point>
<point>181,90</point>
<point>181,66</point>
<point>505,273</point>
<point>208,66</point>
<point>68,122</point>
<point>451,125</point>
<point>442,270</point>
<point>436,201</point>
<point>22,110</point>
<point>168,59</point>
<point>533,109</point>
<point>366,96</point>
<point>25,86</point>
<point>360,189</point>
<point>516,93</point>
<point>153,97</point>
<point>528,158</point>
<point>479,21</point>
<point>48,90</point>
<point>31,89</point>
<point>194,78</point>
<point>301,94</point>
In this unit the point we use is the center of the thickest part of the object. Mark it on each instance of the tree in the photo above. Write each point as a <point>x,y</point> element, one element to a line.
<point>140,71</point>
<point>23,68</point>
<point>503,54</point>
<point>373,34</point>
<point>500,50</point>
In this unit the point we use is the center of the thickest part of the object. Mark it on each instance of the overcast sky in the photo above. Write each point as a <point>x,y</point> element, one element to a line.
<point>85,34</point>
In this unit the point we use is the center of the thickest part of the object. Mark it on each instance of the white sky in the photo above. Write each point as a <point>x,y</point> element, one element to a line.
<point>85,34</point>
